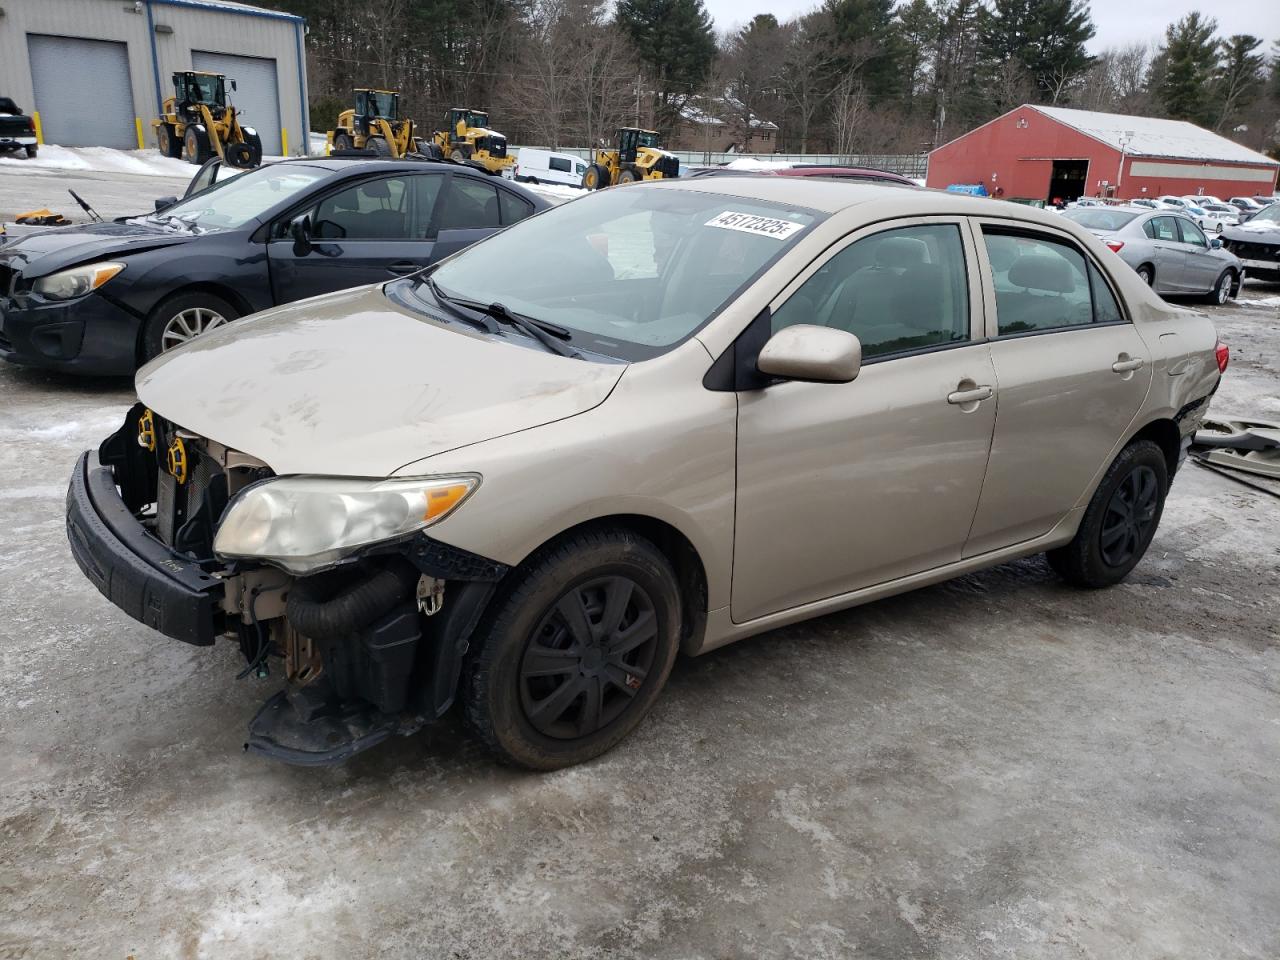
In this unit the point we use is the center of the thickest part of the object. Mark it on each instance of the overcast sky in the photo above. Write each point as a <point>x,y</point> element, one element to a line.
<point>1118,22</point>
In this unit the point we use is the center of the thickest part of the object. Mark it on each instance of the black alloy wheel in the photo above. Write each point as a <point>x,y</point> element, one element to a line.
<point>587,658</point>
<point>1130,516</point>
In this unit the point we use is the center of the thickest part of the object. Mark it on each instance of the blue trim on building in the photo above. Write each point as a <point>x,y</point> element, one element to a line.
<point>213,5</point>
<point>155,59</point>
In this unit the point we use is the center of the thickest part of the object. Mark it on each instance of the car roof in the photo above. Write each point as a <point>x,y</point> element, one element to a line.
<point>821,170</point>
<point>833,196</point>
<point>369,162</point>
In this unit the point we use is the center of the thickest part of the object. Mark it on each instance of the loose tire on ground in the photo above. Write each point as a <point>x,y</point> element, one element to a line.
<point>168,322</point>
<point>1119,522</point>
<point>195,146</point>
<point>537,694</point>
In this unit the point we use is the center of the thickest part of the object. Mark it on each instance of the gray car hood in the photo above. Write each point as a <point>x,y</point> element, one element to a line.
<point>352,384</point>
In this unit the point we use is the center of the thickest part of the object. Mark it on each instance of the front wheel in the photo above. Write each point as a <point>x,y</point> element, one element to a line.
<point>1120,520</point>
<point>1221,291</point>
<point>595,177</point>
<point>183,318</point>
<point>195,146</point>
<point>575,651</point>
<point>379,146</point>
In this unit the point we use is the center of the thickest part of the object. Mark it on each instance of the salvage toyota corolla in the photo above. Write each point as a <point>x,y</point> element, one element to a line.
<point>655,419</point>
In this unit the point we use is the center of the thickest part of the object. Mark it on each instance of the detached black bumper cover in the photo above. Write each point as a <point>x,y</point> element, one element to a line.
<point>132,569</point>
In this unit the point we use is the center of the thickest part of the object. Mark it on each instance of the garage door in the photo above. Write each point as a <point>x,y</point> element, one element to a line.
<point>257,95</point>
<point>83,91</point>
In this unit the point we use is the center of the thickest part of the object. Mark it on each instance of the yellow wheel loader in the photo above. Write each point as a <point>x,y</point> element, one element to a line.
<point>638,157</point>
<point>375,124</point>
<point>468,139</point>
<point>198,121</point>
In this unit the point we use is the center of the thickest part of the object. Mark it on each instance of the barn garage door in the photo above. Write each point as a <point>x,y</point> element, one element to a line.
<point>83,91</point>
<point>257,95</point>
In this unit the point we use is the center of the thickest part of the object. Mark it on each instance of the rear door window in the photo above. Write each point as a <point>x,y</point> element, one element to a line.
<point>513,208</point>
<point>470,204</point>
<point>1043,283</point>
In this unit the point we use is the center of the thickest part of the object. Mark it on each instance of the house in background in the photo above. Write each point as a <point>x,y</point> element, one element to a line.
<point>722,125</point>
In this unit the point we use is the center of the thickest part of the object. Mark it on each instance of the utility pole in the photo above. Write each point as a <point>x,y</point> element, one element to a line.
<point>1124,144</point>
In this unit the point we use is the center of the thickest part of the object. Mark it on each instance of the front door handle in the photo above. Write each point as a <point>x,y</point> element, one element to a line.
<point>1128,366</point>
<point>961,397</point>
<point>402,267</point>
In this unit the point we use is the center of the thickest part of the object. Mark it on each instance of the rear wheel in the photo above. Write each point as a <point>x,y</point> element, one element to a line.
<point>459,154</point>
<point>1119,522</point>
<point>341,142</point>
<point>167,141</point>
<point>574,653</point>
<point>195,146</point>
<point>629,175</point>
<point>1147,274</point>
<point>182,318</point>
<point>1221,291</point>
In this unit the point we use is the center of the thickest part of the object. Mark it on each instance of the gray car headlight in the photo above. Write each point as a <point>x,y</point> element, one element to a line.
<point>304,524</point>
<point>76,282</point>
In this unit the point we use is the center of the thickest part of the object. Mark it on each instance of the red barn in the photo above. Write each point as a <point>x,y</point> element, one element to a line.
<point>1051,153</point>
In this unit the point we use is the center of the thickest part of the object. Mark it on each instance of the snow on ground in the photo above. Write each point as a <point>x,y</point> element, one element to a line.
<point>105,159</point>
<point>556,193</point>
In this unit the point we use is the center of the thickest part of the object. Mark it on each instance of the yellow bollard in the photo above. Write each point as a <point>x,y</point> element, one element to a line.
<point>284,141</point>
<point>137,122</point>
<point>35,116</point>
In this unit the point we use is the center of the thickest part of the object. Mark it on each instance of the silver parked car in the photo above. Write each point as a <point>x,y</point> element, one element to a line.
<point>660,418</point>
<point>1170,253</point>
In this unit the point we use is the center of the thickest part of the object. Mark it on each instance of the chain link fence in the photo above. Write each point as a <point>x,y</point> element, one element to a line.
<point>913,165</point>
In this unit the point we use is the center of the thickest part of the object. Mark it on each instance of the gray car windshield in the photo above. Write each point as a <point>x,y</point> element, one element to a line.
<point>1100,219</point>
<point>231,203</point>
<point>628,271</point>
<point>1268,214</point>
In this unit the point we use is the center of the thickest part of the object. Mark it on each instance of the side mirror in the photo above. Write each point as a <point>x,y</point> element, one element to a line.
<point>811,353</point>
<point>300,230</point>
<point>164,202</point>
<point>1216,243</point>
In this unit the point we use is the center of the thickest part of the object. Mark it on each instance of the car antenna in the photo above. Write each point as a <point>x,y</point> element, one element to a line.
<point>93,214</point>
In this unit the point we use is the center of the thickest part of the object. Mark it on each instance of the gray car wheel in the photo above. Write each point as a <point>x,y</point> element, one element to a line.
<point>1147,275</point>
<point>183,318</point>
<point>1221,291</point>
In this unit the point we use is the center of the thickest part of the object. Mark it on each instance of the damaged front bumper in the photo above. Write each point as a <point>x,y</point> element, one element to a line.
<point>370,649</point>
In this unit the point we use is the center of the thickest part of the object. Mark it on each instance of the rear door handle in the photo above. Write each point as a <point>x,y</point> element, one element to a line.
<point>969,396</point>
<point>1125,366</point>
<point>402,267</point>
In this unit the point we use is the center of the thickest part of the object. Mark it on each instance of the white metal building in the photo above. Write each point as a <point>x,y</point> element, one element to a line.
<point>97,71</point>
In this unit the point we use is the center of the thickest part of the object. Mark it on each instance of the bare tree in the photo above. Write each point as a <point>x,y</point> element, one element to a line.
<point>850,110</point>
<point>806,76</point>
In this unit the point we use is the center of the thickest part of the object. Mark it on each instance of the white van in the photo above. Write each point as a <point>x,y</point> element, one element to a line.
<point>547,166</point>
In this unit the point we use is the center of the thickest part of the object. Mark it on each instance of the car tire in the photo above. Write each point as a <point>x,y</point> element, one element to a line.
<point>568,698</point>
<point>31,152</point>
<point>181,318</point>
<point>1147,274</point>
<point>1119,522</point>
<point>1221,291</point>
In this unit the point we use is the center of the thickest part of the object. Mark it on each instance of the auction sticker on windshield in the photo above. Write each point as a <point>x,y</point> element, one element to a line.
<point>753,223</point>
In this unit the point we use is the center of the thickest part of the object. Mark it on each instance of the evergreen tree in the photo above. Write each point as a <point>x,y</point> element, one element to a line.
<point>1044,38</point>
<point>1182,69</point>
<point>918,26</point>
<point>675,40</point>
<point>868,44</point>
<point>1239,78</point>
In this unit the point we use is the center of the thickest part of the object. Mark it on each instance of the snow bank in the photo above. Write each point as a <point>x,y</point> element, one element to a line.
<point>556,193</point>
<point>103,159</point>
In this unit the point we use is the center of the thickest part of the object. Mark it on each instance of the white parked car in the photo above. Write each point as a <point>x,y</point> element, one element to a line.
<point>1210,220</point>
<point>1202,199</point>
<point>1170,201</point>
<point>1146,203</point>
<point>548,166</point>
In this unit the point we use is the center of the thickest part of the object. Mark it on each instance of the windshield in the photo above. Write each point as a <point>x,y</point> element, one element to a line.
<point>477,119</point>
<point>629,272</point>
<point>1268,214</point>
<point>203,88</point>
<point>1100,219</point>
<point>648,138</point>
<point>382,105</point>
<point>231,203</point>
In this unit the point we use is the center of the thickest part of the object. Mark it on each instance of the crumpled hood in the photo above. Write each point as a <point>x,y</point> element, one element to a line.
<point>351,384</point>
<point>1253,231</point>
<point>56,248</point>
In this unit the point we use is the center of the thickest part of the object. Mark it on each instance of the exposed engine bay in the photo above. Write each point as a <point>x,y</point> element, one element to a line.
<point>370,647</point>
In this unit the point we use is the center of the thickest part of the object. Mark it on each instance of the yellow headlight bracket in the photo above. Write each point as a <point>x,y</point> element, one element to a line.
<point>177,460</point>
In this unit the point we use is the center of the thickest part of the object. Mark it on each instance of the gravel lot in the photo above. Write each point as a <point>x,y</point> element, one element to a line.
<point>996,767</point>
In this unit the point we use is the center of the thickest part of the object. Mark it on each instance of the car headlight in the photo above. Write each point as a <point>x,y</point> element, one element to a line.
<point>76,282</point>
<point>304,524</point>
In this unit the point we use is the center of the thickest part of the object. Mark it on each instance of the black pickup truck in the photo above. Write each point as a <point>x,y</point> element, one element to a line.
<point>17,131</point>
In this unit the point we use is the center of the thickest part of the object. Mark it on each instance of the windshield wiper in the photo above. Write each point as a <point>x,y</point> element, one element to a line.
<point>550,335</point>
<point>484,321</point>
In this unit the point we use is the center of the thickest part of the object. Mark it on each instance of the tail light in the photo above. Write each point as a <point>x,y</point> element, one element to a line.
<point>1115,245</point>
<point>1222,353</point>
